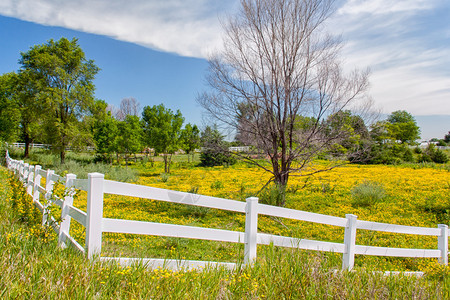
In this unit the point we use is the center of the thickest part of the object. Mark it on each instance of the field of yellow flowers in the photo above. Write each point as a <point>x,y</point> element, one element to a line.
<point>416,196</point>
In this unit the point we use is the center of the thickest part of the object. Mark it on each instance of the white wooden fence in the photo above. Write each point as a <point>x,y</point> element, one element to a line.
<point>95,224</point>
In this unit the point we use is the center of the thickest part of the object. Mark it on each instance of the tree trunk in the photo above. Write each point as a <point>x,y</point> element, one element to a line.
<point>281,177</point>
<point>27,145</point>
<point>167,161</point>
<point>62,155</point>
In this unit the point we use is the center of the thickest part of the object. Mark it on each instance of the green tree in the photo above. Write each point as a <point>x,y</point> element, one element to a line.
<point>214,148</point>
<point>9,111</point>
<point>105,132</point>
<point>403,127</point>
<point>162,131</point>
<point>190,139</point>
<point>447,138</point>
<point>352,132</point>
<point>129,139</point>
<point>31,109</point>
<point>65,80</point>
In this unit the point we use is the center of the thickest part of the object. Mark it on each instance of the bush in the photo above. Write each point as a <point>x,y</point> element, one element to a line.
<point>367,193</point>
<point>212,158</point>
<point>273,195</point>
<point>408,155</point>
<point>432,154</point>
<point>164,177</point>
<point>439,157</point>
<point>417,150</point>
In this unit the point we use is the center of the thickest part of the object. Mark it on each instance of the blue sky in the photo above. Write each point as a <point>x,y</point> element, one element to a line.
<point>155,50</point>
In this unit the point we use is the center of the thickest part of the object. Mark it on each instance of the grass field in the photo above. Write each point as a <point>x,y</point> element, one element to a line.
<point>33,267</point>
<point>415,194</point>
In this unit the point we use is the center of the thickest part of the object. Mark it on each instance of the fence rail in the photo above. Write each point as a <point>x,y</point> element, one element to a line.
<point>94,222</point>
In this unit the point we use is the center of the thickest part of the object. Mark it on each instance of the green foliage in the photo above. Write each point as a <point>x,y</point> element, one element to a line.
<point>367,193</point>
<point>190,138</point>
<point>273,194</point>
<point>164,177</point>
<point>214,152</point>
<point>129,140</point>
<point>162,131</point>
<point>212,158</point>
<point>9,110</point>
<point>403,127</point>
<point>106,132</point>
<point>217,185</point>
<point>432,154</point>
<point>447,138</point>
<point>211,138</point>
<point>347,130</point>
<point>22,203</point>
<point>439,207</point>
<point>64,79</point>
<point>389,154</point>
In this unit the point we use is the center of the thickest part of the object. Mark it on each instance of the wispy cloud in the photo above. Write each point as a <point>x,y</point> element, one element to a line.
<point>401,41</point>
<point>407,53</point>
<point>382,7</point>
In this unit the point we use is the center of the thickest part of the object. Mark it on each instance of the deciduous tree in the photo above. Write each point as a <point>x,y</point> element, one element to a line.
<point>65,80</point>
<point>9,111</point>
<point>403,127</point>
<point>162,131</point>
<point>279,63</point>
<point>129,139</point>
<point>190,139</point>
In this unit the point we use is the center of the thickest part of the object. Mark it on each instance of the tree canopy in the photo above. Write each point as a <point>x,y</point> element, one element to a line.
<point>403,127</point>
<point>64,78</point>
<point>162,131</point>
<point>9,111</point>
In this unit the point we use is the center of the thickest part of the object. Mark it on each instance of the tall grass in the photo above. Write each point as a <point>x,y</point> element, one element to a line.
<point>77,163</point>
<point>33,267</point>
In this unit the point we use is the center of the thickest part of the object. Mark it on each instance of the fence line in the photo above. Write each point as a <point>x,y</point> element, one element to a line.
<point>94,222</point>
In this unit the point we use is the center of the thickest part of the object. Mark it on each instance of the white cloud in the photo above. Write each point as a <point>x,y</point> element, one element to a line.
<point>408,57</point>
<point>358,7</point>
<point>186,27</point>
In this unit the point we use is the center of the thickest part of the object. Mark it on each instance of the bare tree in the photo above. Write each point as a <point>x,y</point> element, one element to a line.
<point>128,106</point>
<point>278,80</point>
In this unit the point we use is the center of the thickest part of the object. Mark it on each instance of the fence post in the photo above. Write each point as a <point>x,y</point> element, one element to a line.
<point>348,257</point>
<point>29,180</point>
<point>25,171</point>
<point>94,213</point>
<point>48,194</point>
<point>64,228</point>
<point>36,183</point>
<point>21,166</point>
<point>443,244</point>
<point>7,158</point>
<point>251,230</point>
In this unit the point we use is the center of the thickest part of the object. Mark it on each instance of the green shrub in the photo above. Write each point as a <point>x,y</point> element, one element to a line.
<point>367,193</point>
<point>408,155</point>
<point>212,158</point>
<point>165,177</point>
<point>417,150</point>
<point>432,154</point>
<point>216,185</point>
<point>273,195</point>
<point>439,157</point>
